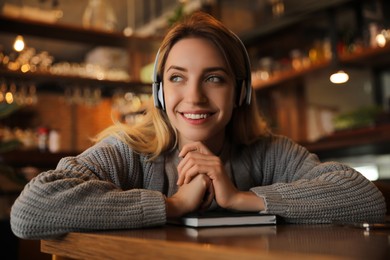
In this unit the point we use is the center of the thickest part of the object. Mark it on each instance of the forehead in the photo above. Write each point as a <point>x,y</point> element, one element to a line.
<point>195,49</point>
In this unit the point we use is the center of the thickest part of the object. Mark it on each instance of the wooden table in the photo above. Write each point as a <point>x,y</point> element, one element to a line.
<point>257,242</point>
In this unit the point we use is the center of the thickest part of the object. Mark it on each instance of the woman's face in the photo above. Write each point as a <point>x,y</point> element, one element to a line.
<point>198,91</point>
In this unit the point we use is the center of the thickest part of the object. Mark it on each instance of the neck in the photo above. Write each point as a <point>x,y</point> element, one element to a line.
<point>216,146</point>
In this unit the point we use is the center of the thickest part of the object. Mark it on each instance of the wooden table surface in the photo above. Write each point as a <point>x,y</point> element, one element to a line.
<point>256,242</point>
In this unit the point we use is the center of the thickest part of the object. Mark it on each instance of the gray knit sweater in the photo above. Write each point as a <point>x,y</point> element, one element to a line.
<point>110,186</point>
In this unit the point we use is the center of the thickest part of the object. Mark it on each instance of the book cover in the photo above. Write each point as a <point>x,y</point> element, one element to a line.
<point>224,218</point>
<point>231,231</point>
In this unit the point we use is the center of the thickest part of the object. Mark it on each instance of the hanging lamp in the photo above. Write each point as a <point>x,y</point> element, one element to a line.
<point>339,76</point>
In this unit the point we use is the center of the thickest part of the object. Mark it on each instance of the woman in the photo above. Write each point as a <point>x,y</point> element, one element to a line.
<point>203,142</point>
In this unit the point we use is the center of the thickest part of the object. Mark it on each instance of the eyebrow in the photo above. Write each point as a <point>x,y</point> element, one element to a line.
<point>210,69</point>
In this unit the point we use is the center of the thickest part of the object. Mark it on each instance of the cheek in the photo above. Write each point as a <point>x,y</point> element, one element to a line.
<point>230,103</point>
<point>226,99</point>
<point>171,99</point>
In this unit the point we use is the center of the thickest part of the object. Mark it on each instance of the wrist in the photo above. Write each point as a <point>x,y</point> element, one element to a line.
<point>247,201</point>
<point>172,208</point>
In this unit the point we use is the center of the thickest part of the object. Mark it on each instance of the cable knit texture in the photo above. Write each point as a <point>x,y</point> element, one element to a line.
<point>110,186</point>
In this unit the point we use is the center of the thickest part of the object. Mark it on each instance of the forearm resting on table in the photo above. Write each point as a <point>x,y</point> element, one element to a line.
<point>247,201</point>
<point>173,208</point>
<point>243,201</point>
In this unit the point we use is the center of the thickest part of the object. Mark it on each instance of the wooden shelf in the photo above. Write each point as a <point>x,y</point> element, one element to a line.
<point>64,32</point>
<point>368,57</point>
<point>285,76</point>
<point>370,140</point>
<point>57,81</point>
<point>77,34</point>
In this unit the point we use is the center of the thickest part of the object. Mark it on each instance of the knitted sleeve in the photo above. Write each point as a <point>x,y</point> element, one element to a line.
<point>99,189</point>
<point>299,188</point>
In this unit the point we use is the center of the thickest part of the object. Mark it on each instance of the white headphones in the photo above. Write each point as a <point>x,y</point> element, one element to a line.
<point>244,86</point>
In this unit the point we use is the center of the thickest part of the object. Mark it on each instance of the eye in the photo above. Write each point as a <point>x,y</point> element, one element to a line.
<point>215,79</point>
<point>175,78</point>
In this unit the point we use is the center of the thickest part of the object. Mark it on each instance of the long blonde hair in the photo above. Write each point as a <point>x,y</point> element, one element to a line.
<point>154,134</point>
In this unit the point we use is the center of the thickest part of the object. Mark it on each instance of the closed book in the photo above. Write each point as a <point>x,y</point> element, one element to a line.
<point>225,218</point>
<point>231,231</point>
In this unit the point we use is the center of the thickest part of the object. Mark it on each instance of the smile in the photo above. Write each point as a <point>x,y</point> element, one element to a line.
<point>196,116</point>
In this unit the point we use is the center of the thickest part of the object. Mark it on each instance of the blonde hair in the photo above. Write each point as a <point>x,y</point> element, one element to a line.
<point>154,134</point>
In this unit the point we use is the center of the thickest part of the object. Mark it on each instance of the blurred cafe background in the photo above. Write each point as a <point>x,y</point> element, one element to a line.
<point>68,69</point>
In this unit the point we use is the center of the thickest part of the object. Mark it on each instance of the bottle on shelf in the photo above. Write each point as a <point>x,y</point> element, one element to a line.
<point>54,141</point>
<point>43,135</point>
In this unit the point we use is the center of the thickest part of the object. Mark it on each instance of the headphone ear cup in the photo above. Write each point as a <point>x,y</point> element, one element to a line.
<point>158,95</point>
<point>248,92</point>
<point>155,87</point>
<point>241,92</point>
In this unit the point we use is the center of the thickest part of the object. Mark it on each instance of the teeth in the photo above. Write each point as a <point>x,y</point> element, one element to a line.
<point>196,116</point>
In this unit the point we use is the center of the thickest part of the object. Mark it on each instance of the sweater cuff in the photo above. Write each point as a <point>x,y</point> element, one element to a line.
<point>154,212</point>
<point>273,201</point>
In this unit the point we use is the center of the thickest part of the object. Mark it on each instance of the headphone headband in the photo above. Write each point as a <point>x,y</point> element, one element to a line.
<point>247,85</point>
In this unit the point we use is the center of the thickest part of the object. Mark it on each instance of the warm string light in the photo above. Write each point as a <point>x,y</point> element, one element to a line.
<point>19,43</point>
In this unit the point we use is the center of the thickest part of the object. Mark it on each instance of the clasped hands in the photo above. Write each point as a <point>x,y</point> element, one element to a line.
<point>202,178</point>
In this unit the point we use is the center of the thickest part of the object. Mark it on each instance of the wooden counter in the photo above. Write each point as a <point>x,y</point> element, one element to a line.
<point>261,242</point>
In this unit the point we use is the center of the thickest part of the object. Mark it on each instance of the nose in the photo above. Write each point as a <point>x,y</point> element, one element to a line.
<point>195,93</point>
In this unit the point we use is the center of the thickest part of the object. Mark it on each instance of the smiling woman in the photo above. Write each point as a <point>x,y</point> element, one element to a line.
<point>199,93</point>
<point>199,147</point>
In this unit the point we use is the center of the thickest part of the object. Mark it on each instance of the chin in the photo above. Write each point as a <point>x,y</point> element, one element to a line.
<point>197,137</point>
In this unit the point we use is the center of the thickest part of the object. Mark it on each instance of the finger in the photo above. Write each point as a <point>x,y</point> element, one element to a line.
<point>187,171</point>
<point>208,198</point>
<point>195,164</point>
<point>207,201</point>
<point>195,157</point>
<point>194,147</point>
<point>207,169</point>
<point>210,193</point>
<point>187,163</point>
<point>184,165</point>
<point>193,172</point>
<point>180,180</point>
<point>180,171</point>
